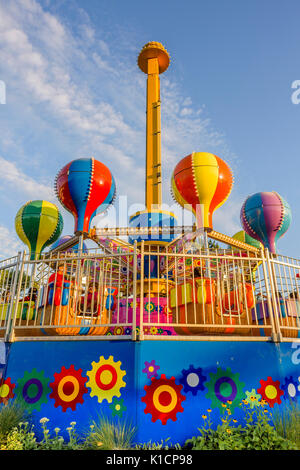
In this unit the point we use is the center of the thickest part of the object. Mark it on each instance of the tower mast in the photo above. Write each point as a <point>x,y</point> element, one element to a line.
<point>153,60</point>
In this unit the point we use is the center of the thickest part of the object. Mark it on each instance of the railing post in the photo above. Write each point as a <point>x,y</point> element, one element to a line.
<point>141,335</point>
<point>134,336</point>
<point>15,294</point>
<point>274,314</point>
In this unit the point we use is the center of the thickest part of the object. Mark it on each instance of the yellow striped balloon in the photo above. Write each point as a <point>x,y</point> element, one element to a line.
<point>38,224</point>
<point>203,182</point>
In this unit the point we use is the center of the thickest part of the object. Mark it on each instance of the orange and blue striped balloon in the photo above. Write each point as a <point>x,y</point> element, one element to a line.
<point>202,182</point>
<point>85,187</point>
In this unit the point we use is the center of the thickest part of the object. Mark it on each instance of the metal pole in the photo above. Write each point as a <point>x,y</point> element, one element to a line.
<point>134,291</point>
<point>274,314</point>
<point>78,267</point>
<point>142,291</point>
<point>13,308</point>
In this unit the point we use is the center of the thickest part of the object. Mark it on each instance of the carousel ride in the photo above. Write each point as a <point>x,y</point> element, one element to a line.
<point>163,275</point>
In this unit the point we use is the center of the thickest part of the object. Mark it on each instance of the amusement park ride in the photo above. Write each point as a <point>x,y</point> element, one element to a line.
<point>200,320</point>
<point>165,277</point>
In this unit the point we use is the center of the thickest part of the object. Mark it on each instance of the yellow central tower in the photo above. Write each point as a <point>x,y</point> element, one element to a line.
<point>153,60</point>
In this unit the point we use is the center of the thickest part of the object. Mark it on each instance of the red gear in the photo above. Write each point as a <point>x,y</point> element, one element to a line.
<point>6,390</point>
<point>270,391</point>
<point>163,399</point>
<point>68,388</point>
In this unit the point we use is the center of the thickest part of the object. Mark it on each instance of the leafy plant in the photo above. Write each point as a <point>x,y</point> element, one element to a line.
<point>20,437</point>
<point>224,437</point>
<point>256,434</point>
<point>260,434</point>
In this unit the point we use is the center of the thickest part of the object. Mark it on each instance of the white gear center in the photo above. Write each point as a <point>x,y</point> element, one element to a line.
<point>192,379</point>
<point>292,390</point>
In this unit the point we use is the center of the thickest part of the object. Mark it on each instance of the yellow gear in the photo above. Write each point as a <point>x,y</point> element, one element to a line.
<point>106,379</point>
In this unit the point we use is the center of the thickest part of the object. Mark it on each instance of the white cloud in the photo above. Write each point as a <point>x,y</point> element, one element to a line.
<point>9,243</point>
<point>13,179</point>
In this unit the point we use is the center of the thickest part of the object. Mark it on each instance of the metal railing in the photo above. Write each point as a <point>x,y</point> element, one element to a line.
<point>151,292</point>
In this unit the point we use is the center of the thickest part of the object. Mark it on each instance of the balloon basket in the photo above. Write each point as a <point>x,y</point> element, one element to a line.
<point>212,321</point>
<point>196,302</point>
<point>66,323</point>
<point>154,287</point>
<point>289,318</point>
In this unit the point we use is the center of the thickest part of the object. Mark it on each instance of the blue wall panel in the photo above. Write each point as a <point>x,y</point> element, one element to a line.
<point>69,369</point>
<point>211,373</point>
<point>163,387</point>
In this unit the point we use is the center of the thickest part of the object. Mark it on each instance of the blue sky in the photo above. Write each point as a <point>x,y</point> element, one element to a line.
<point>73,89</point>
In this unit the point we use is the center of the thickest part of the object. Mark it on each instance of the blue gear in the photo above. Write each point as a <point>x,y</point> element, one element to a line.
<point>192,380</point>
<point>289,381</point>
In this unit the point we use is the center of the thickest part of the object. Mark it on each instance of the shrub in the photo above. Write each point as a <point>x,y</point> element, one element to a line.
<point>224,437</point>
<point>257,433</point>
<point>20,437</point>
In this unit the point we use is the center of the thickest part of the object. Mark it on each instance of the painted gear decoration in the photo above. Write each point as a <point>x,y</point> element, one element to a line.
<point>290,388</point>
<point>192,380</point>
<point>224,387</point>
<point>33,389</point>
<point>149,306</point>
<point>117,407</point>
<point>163,399</point>
<point>106,379</point>
<point>270,391</point>
<point>68,388</point>
<point>151,369</point>
<point>118,331</point>
<point>253,398</point>
<point>6,390</point>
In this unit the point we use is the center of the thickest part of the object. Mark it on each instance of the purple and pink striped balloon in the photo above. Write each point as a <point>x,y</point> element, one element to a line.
<point>266,216</point>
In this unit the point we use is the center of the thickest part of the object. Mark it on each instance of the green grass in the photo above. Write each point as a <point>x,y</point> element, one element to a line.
<point>286,420</point>
<point>10,416</point>
<point>110,435</point>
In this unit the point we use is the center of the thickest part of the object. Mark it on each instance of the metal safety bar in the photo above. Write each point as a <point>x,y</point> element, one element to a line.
<point>154,291</point>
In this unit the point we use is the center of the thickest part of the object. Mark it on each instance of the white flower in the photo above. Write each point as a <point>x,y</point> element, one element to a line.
<point>44,420</point>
